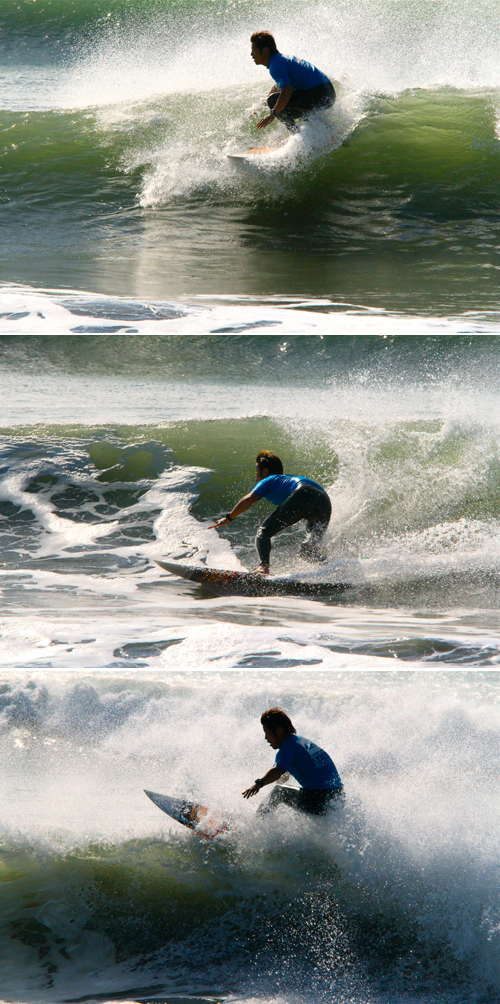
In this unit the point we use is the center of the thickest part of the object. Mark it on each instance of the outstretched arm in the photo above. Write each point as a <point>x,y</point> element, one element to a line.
<point>240,507</point>
<point>272,775</point>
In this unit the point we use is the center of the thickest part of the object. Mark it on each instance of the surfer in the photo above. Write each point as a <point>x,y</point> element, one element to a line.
<point>307,763</point>
<point>299,86</point>
<point>296,498</point>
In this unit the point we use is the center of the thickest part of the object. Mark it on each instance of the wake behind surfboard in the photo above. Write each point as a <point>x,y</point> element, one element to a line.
<point>251,158</point>
<point>196,817</point>
<point>252,150</point>
<point>222,582</point>
<point>258,156</point>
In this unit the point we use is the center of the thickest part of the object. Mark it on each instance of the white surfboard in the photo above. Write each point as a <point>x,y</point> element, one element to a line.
<point>252,150</point>
<point>191,814</point>
<point>253,157</point>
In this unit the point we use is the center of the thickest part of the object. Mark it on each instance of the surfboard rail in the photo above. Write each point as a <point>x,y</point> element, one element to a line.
<point>195,816</point>
<point>242,155</point>
<point>221,581</point>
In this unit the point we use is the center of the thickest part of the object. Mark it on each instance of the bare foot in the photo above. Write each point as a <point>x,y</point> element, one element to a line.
<point>262,570</point>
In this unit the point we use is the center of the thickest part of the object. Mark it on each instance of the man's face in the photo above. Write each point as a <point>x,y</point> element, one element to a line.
<point>260,57</point>
<point>273,738</point>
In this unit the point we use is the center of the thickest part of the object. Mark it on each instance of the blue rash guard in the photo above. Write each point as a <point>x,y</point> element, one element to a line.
<point>297,73</point>
<point>308,764</point>
<point>277,488</point>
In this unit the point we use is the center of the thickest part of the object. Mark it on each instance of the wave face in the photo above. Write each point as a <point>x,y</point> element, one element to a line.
<point>117,119</point>
<point>121,448</point>
<point>394,897</point>
<point>162,318</point>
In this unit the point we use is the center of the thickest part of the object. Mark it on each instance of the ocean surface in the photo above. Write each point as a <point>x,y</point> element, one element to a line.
<point>163,318</point>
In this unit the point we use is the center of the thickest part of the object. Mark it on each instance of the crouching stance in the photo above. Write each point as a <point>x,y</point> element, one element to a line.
<point>296,498</point>
<point>315,771</point>
<point>299,87</point>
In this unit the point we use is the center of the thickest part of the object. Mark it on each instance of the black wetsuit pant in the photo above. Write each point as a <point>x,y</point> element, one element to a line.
<point>316,802</point>
<point>301,102</point>
<point>306,502</point>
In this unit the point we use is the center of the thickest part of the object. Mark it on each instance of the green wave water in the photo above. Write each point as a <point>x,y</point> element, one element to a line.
<point>415,503</point>
<point>157,917</point>
<point>422,153</point>
<point>118,117</point>
<point>163,318</point>
<point>103,898</point>
<point>415,190</point>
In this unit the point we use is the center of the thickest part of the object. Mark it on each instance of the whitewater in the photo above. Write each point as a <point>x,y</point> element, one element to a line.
<point>392,899</point>
<point>163,318</point>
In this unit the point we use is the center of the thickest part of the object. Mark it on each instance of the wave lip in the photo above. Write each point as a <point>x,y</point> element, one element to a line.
<point>428,151</point>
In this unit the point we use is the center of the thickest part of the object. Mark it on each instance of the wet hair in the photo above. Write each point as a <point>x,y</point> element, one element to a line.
<point>268,459</point>
<point>264,40</point>
<point>274,717</point>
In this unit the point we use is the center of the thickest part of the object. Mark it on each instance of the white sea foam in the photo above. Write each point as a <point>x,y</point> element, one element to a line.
<point>48,397</point>
<point>418,754</point>
<point>375,45</point>
<point>413,492</point>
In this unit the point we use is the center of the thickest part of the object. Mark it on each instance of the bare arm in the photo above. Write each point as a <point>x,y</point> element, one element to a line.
<point>272,775</point>
<point>240,507</point>
<point>284,98</point>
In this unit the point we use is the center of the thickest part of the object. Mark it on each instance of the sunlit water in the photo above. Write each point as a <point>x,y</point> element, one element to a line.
<point>163,317</point>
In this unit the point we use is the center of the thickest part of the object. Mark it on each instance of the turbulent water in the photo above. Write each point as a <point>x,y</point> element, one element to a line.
<point>392,899</point>
<point>164,317</point>
<point>117,116</point>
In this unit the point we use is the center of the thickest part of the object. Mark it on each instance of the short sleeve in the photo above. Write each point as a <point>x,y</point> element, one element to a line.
<point>262,487</point>
<point>279,71</point>
<point>259,488</point>
<point>284,756</point>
